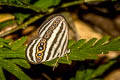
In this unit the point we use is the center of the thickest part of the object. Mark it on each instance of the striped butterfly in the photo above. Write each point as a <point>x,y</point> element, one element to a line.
<point>51,42</point>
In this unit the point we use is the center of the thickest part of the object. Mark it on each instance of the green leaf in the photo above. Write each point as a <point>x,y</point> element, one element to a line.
<point>113,45</point>
<point>2,44</point>
<point>21,50</point>
<point>6,23</point>
<point>70,43</point>
<point>20,17</point>
<point>102,68</point>
<point>15,70</point>
<point>18,2</point>
<point>21,62</point>
<point>102,41</point>
<point>82,55</point>
<point>12,56</point>
<point>114,40</point>
<point>51,63</point>
<point>88,74</point>
<point>64,60</point>
<point>80,50</point>
<point>79,75</point>
<point>46,4</point>
<point>88,44</point>
<point>4,40</point>
<point>3,0</point>
<point>2,77</point>
<point>25,1</point>
<point>7,50</point>
<point>78,44</point>
<point>18,43</point>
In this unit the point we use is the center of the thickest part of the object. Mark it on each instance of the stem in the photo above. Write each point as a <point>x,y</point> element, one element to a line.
<point>24,6</point>
<point>71,3</point>
<point>77,2</point>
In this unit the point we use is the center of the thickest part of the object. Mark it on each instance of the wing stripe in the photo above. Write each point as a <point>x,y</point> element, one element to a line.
<point>50,41</point>
<point>29,50</point>
<point>61,44</point>
<point>34,50</point>
<point>46,28</point>
<point>53,48</point>
<point>64,48</point>
<point>56,46</point>
<point>65,45</point>
<point>44,25</point>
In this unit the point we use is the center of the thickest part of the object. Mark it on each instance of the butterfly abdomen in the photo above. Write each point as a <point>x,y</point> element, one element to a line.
<point>51,42</point>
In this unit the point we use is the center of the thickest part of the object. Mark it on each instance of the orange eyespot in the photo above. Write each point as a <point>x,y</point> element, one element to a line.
<point>46,36</point>
<point>42,43</point>
<point>49,32</point>
<point>38,59</point>
<point>54,24</point>
<point>39,54</point>
<point>52,28</point>
<point>42,40</point>
<point>58,20</point>
<point>40,48</point>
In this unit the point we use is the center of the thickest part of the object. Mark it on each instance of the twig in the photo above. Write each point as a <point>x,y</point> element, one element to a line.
<point>33,19</point>
<point>46,76</point>
<point>71,3</point>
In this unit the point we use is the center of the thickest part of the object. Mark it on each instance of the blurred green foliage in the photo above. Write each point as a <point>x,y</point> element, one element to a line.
<point>12,55</point>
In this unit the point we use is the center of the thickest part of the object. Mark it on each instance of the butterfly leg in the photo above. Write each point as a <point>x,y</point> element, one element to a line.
<point>68,51</point>
<point>67,57</point>
<point>55,65</point>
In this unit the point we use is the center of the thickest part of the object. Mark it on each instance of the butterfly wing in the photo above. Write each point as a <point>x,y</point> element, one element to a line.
<point>51,42</point>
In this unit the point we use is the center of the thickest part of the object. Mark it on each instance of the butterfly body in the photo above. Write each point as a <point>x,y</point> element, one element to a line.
<point>51,42</point>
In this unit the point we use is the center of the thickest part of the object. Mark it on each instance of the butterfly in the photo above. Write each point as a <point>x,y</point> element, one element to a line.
<point>51,42</point>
